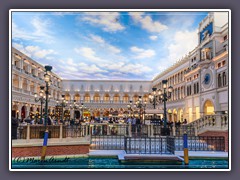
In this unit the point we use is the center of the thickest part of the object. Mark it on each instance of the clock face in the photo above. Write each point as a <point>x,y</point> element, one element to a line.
<point>207,78</point>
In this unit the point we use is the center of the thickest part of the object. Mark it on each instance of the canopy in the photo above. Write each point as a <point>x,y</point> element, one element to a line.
<point>154,111</point>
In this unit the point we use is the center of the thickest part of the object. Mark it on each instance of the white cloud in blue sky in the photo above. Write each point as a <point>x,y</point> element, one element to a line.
<point>106,45</point>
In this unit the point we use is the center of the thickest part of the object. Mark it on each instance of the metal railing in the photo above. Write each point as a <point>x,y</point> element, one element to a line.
<point>108,142</point>
<point>75,131</point>
<point>149,145</point>
<point>180,130</point>
<point>201,143</point>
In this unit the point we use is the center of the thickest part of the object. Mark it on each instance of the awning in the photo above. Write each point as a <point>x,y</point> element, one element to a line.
<point>154,111</point>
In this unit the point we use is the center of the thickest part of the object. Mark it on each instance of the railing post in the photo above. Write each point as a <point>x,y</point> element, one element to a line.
<point>61,131</point>
<point>151,130</point>
<point>130,130</point>
<point>174,129</point>
<point>195,131</point>
<point>28,131</point>
<point>218,121</point>
<point>108,130</point>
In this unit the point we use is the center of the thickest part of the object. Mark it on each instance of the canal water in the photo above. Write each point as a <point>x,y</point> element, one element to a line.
<point>113,163</point>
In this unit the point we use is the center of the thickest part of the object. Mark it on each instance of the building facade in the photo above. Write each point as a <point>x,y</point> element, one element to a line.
<point>200,82</point>
<point>27,77</point>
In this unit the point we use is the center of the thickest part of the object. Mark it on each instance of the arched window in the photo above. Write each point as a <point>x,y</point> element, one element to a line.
<point>224,79</point>
<point>219,80</point>
<point>194,88</point>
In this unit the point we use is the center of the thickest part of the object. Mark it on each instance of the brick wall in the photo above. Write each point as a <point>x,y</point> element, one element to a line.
<point>217,133</point>
<point>51,150</point>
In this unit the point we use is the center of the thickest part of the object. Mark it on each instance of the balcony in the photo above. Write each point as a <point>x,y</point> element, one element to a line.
<point>221,51</point>
<point>16,89</point>
<point>26,91</point>
<point>16,68</point>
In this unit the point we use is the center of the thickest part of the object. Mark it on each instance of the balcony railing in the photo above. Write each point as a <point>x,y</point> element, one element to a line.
<point>16,89</point>
<point>211,122</point>
<point>138,138</point>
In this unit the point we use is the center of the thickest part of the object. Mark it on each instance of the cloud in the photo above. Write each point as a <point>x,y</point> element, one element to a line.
<point>88,53</point>
<point>109,21</point>
<point>100,41</point>
<point>130,68</point>
<point>91,69</point>
<point>177,47</point>
<point>39,31</point>
<point>153,38</point>
<point>34,51</point>
<point>142,53</point>
<point>147,22</point>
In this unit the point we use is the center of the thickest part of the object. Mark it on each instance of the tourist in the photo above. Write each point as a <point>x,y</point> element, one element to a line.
<point>185,121</point>
<point>110,121</point>
<point>129,121</point>
<point>49,121</point>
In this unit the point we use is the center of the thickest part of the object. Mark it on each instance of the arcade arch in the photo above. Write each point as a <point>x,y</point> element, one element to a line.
<point>208,108</point>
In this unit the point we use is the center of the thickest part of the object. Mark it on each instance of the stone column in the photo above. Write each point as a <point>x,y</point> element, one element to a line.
<point>21,64</point>
<point>27,110</point>
<point>129,130</point>
<point>20,82</point>
<point>61,131</point>
<point>28,132</point>
<point>91,97</point>
<point>82,97</point>
<point>28,85</point>
<point>149,130</point>
<point>35,87</point>
<point>101,97</point>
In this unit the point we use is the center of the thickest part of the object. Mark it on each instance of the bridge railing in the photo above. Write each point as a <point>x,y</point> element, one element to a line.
<point>201,143</point>
<point>214,122</point>
<point>210,122</point>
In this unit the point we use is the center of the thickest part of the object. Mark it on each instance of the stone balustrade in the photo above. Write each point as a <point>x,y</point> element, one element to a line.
<point>210,122</point>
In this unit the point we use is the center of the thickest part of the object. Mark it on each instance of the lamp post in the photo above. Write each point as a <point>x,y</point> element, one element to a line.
<point>164,96</point>
<point>41,98</point>
<point>158,96</point>
<point>130,107</point>
<point>47,79</point>
<point>153,99</point>
<point>63,104</point>
<point>82,108</point>
<point>141,105</point>
<point>74,107</point>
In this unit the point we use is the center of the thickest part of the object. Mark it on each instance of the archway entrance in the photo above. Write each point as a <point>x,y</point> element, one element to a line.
<point>15,111</point>
<point>77,114</point>
<point>23,112</point>
<point>208,108</point>
<point>174,114</point>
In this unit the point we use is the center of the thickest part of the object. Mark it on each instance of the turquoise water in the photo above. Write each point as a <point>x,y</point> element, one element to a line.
<point>113,163</point>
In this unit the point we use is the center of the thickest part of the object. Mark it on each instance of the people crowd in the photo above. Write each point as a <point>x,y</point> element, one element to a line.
<point>133,120</point>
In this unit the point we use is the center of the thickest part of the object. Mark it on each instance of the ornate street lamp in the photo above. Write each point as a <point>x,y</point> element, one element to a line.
<point>47,79</point>
<point>141,105</point>
<point>129,106</point>
<point>41,98</point>
<point>82,109</point>
<point>164,96</point>
<point>74,107</point>
<point>159,96</point>
<point>62,104</point>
